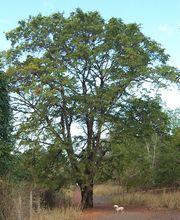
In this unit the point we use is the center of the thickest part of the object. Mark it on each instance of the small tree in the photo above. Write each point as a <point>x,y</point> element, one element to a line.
<point>78,71</point>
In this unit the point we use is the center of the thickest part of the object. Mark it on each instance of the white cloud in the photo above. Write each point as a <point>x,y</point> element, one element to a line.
<point>47,4</point>
<point>164,28</point>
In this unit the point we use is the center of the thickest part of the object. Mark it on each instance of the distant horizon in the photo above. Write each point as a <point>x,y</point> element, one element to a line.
<point>159,20</point>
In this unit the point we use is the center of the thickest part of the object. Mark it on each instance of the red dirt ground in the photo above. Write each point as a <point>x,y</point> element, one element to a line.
<point>102,211</point>
<point>107,213</point>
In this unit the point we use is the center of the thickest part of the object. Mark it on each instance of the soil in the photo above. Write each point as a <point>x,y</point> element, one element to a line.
<point>104,211</point>
<point>107,213</point>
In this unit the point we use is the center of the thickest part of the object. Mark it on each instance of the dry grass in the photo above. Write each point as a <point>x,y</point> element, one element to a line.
<point>69,192</point>
<point>108,189</point>
<point>70,213</point>
<point>10,201</point>
<point>15,204</point>
<point>161,199</point>
<point>170,200</point>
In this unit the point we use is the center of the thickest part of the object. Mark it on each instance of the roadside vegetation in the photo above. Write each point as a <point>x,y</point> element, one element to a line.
<point>69,213</point>
<point>167,198</point>
<point>154,200</point>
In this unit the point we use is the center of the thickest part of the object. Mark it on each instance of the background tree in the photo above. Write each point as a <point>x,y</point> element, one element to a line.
<point>139,132</point>
<point>41,168</point>
<point>78,72</point>
<point>174,116</point>
<point>144,147</point>
<point>167,171</point>
<point>5,125</point>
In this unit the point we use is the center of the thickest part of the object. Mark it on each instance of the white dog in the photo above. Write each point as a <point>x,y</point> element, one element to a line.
<point>119,208</point>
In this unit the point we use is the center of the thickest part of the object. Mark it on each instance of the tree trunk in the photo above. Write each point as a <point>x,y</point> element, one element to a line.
<point>19,207</point>
<point>30,204</point>
<point>87,195</point>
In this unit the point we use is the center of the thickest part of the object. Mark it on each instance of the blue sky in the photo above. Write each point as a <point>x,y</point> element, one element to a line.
<point>159,19</point>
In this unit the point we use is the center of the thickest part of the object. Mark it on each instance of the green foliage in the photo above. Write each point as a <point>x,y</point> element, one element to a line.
<point>168,171</point>
<point>142,118</point>
<point>5,127</point>
<point>142,147</point>
<point>78,70</point>
<point>41,168</point>
<point>175,118</point>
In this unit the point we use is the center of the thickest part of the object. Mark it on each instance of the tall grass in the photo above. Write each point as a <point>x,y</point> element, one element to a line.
<point>161,199</point>
<point>15,204</point>
<point>170,200</point>
<point>70,213</point>
<point>108,189</point>
<point>14,201</point>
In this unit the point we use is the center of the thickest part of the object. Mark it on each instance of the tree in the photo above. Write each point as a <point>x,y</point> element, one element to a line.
<point>5,126</point>
<point>146,121</point>
<point>41,168</point>
<point>174,116</point>
<point>167,171</point>
<point>78,71</point>
<point>138,135</point>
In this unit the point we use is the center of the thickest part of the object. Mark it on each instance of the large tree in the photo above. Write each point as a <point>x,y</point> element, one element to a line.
<point>77,72</point>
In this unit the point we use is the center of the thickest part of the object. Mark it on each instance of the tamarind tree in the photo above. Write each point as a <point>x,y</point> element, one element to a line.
<point>76,72</point>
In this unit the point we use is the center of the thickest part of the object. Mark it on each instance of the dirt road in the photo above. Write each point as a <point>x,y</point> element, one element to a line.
<point>106,213</point>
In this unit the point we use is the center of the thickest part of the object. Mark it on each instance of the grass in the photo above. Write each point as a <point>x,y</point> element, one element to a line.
<point>162,199</point>
<point>69,192</point>
<point>70,213</point>
<point>108,189</point>
<point>15,204</point>
<point>170,200</point>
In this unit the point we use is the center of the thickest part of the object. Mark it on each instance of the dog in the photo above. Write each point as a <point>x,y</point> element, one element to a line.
<point>119,208</point>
